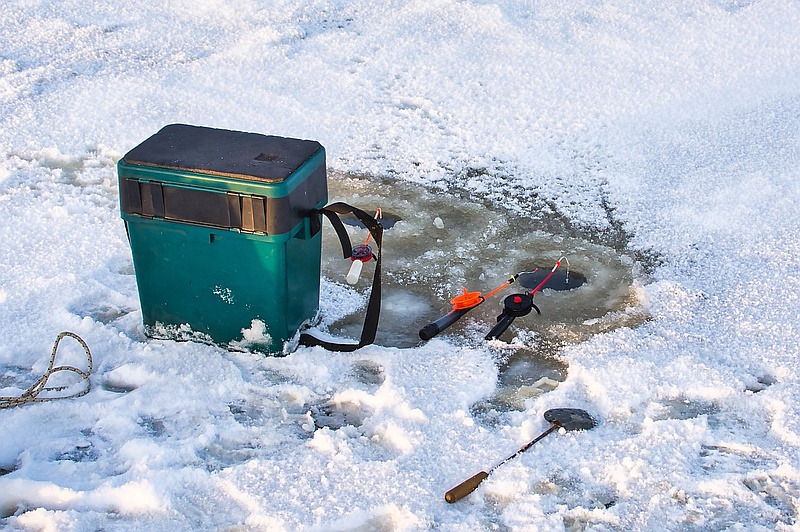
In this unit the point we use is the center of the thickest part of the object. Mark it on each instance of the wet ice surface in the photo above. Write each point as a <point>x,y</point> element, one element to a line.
<point>436,244</point>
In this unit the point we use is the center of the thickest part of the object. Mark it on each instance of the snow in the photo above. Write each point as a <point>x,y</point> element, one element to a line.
<point>667,131</point>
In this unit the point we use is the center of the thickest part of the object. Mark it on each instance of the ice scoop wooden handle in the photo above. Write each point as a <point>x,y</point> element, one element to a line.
<point>465,488</point>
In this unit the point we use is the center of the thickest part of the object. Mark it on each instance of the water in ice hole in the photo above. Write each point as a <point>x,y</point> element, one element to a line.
<point>436,243</point>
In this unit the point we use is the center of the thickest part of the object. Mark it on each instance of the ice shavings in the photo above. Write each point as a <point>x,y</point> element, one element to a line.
<point>253,336</point>
<point>182,332</point>
<point>126,499</point>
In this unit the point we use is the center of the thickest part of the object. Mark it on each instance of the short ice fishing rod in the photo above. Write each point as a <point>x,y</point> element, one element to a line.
<point>360,255</point>
<point>461,305</point>
<point>515,305</point>
<point>568,419</point>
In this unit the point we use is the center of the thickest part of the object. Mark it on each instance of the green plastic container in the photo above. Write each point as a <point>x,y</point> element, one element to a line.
<point>225,234</point>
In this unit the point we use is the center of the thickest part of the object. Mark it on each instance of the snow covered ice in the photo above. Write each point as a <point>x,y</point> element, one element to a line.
<point>668,132</point>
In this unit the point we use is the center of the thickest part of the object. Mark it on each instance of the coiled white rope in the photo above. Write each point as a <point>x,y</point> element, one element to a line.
<point>31,395</point>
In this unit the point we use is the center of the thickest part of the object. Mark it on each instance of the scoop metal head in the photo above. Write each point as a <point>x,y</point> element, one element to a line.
<point>570,418</point>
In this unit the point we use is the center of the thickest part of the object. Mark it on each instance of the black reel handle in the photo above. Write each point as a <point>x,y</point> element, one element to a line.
<point>514,306</point>
<point>503,323</point>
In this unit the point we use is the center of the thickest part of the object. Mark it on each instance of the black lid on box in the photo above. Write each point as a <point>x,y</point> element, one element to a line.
<point>222,152</point>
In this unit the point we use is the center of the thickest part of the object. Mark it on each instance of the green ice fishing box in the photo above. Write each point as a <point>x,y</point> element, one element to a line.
<point>225,235</point>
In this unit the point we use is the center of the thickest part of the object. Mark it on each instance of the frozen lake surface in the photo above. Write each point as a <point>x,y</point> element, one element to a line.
<point>656,145</point>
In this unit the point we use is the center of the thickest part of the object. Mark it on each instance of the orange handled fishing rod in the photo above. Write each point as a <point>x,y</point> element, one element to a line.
<point>466,301</point>
<point>461,305</point>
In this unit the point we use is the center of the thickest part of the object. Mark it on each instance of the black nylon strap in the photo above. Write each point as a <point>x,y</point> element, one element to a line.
<point>374,305</point>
